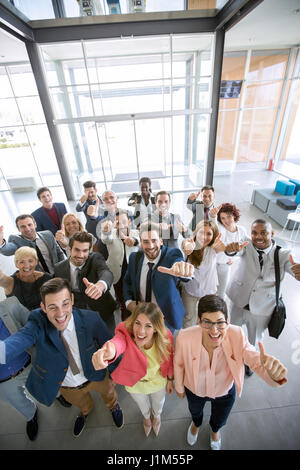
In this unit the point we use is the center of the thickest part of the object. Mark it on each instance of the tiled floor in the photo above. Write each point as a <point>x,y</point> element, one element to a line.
<point>263,418</point>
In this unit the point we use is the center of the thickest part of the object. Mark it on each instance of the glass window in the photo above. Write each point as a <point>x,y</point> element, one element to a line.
<point>226,134</point>
<point>5,88</point>
<point>263,94</point>
<point>256,134</point>
<point>9,113</point>
<point>22,80</point>
<point>267,65</point>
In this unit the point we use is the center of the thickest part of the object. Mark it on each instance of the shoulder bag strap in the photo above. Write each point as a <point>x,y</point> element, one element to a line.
<point>277,272</point>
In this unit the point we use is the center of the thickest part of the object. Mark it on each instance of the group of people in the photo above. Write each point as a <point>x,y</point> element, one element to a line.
<point>59,333</point>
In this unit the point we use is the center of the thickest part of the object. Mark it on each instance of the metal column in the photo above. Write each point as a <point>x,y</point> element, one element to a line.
<point>37,69</point>
<point>218,61</point>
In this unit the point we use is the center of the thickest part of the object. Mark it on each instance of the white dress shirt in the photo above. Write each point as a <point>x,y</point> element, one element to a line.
<point>70,336</point>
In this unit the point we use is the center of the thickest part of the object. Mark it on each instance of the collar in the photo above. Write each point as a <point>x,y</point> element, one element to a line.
<point>71,325</point>
<point>155,261</point>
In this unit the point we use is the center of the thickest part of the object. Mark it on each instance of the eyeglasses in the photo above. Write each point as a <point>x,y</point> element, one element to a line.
<point>221,325</point>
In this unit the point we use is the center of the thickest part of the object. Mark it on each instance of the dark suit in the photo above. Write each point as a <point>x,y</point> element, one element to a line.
<point>44,222</point>
<point>163,285</point>
<point>51,361</point>
<point>95,269</point>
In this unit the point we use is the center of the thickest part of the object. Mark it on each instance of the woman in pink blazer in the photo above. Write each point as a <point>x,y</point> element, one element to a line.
<point>146,368</point>
<point>209,366</point>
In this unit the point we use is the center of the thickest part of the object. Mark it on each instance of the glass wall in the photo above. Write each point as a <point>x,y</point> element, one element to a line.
<point>247,119</point>
<point>25,146</point>
<point>131,107</point>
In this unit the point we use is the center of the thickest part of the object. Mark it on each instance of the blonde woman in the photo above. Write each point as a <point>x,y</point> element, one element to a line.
<point>25,283</point>
<point>146,368</point>
<point>69,225</point>
<point>201,251</point>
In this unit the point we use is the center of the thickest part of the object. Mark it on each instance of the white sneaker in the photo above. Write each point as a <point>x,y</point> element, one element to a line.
<point>191,438</point>
<point>215,445</point>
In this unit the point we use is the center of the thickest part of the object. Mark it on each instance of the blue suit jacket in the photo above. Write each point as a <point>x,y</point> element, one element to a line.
<point>51,360</point>
<point>43,220</point>
<point>163,285</point>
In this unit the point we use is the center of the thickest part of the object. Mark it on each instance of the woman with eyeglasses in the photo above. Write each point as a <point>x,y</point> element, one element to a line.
<point>209,366</point>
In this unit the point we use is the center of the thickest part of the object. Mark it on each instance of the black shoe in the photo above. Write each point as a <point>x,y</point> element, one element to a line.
<point>79,425</point>
<point>63,402</point>
<point>117,416</point>
<point>248,371</point>
<point>32,427</point>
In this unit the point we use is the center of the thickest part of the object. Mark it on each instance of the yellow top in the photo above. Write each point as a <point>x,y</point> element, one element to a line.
<point>153,381</point>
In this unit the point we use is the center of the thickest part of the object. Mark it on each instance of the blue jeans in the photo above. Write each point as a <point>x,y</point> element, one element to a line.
<point>13,392</point>
<point>220,408</point>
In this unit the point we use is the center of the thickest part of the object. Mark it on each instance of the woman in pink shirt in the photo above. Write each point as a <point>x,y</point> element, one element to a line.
<point>146,368</point>
<point>209,366</point>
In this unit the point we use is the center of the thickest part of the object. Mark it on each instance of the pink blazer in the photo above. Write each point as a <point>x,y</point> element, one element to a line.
<point>238,351</point>
<point>133,365</point>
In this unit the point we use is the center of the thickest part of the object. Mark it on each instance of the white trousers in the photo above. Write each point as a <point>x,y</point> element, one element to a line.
<point>223,275</point>
<point>256,324</point>
<point>144,403</point>
<point>190,304</point>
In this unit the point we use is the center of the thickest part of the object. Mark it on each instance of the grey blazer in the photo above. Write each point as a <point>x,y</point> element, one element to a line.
<point>197,208</point>
<point>14,316</point>
<point>250,287</point>
<point>17,241</point>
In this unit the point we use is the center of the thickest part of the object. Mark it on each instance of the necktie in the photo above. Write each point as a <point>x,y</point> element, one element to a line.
<point>148,283</point>
<point>73,366</point>
<point>260,258</point>
<point>206,209</point>
<point>41,258</point>
<point>78,279</point>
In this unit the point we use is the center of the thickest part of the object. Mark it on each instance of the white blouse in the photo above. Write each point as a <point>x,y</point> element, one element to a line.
<point>205,279</point>
<point>227,237</point>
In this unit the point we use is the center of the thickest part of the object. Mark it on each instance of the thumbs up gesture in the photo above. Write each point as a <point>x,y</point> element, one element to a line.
<point>94,291</point>
<point>101,357</point>
<point>193,196</point>
<point>218,245</point>
<point>188,246</point>
<point>295,268</point>
<point>235,247</point>
<point>92,210</point>
<point>179,269</point>
<point>275,369</point>
<point>214,211</point>
<point>1,234</point>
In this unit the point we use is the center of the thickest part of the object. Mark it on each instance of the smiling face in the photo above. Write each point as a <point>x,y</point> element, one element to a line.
<point>110,201</point>
<point>143,331</point>
<point>145,189</point>
<point>27,228</point>
<point>26,266</point>
<point>58,308</point>
<point>151,244</point>
<point>71,225</point>
<point>79,253</point>
<point>91,193</point>
<point>208,197</point>
<point>163,203</point>
<point>46,199</point>
<point>204,236</point>
<point>227,220</point>
<point>261,235</point>
<point>212,337</point>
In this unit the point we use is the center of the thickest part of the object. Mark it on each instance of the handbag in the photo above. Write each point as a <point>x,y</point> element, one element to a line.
<point>277,321</point>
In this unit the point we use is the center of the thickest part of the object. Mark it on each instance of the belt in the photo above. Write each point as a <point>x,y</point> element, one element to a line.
<point>17,373</point>
<point>79,386</point>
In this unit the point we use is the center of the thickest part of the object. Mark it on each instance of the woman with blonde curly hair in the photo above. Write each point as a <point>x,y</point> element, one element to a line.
<point>146,368</point>
<point>201,251</point>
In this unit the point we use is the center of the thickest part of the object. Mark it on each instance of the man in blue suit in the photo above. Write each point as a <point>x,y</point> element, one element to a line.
<point>152,276</point>
<point>65,339</point>
<point>49,216</point>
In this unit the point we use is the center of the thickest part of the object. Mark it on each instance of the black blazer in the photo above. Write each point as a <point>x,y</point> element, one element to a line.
<point>95,269</point>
